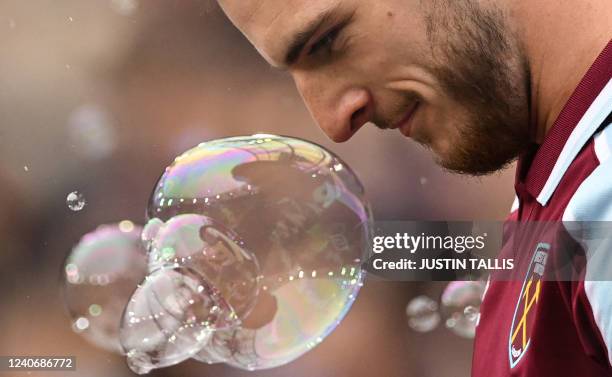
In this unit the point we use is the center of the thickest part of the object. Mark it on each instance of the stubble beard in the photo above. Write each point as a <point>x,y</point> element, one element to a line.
<point>480,66</point>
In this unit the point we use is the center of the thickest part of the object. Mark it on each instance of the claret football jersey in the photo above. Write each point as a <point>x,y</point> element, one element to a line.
<point>532,326</point>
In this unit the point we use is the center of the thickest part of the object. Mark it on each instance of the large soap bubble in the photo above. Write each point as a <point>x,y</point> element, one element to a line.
<point>295,214</point>
<point>98,279</point>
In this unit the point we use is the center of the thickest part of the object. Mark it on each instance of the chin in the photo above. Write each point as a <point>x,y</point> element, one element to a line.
<point>472,165</point>
<point>460,159</point>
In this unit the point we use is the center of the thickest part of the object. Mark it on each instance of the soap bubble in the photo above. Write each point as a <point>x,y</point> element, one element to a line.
<point>460,306</point>
<point>91,131</point>
<point>422,314</point>
<point>98,278</point>
<point>214,252</point>
<point>75,201</point>
<point>124,7</point>
<point>286,205</point>
<point>170,317</point>
<point>471,313</point>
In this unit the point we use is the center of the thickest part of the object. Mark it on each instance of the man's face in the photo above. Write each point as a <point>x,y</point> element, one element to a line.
<point>446,73</point>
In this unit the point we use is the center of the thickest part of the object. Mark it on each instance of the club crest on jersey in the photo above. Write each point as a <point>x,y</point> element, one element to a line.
<point>524,313</point>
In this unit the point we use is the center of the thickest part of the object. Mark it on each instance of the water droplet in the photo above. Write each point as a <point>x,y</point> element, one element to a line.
<point>75,201</point>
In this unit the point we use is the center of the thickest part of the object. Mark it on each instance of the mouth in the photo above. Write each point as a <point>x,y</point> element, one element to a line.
<point>405,124</point>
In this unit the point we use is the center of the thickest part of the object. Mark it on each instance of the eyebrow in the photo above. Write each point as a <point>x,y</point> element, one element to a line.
<point>299,40</point>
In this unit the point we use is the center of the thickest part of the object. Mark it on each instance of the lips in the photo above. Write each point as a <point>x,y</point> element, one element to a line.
<point>405,124</point>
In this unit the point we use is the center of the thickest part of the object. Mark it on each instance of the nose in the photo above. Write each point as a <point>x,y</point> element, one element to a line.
<point>339,116</point>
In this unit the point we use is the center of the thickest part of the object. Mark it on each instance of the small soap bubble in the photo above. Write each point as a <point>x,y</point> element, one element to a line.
<point>149,232</point>
<point>126,226</point>
<point>95,310</point>
<point>26,168</point>
<point>99,276</point>
<point>200,243</point>
<point>75,201</point>
<point>460,306</point>
<point>471,313</point>
<point>91,131</point>
<point>124,7</point>
<point>422,314</point>
<point>81,324</point>
<point>167,319</point>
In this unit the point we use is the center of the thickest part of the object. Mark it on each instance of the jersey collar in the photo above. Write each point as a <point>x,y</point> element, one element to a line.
<point>584,112</point>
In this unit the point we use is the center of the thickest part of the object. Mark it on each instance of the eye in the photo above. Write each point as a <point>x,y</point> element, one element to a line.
<point>325,42</point>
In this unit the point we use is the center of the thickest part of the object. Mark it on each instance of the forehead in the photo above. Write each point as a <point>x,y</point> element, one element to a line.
<point>271,25</point>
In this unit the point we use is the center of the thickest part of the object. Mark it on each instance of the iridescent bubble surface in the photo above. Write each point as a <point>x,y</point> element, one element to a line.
<point>292,207</point>
<point>423,315</point>
<point>460,305</point>
<point>98,278</point>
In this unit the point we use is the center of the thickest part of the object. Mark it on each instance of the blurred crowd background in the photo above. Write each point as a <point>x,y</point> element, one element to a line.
<point>99,96</point>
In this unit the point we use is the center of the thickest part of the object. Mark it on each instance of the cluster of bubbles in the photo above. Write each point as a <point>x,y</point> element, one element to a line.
<point>250,256</point>
<point>459,307</point>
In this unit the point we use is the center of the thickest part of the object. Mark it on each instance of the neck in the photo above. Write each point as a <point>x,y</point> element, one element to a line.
<point>561,40</point>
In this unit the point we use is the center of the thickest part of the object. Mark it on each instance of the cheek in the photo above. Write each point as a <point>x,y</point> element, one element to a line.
<point>390,105</point>
<point>442,123</point>
<point>362,59</point>
<point>405,34</point>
